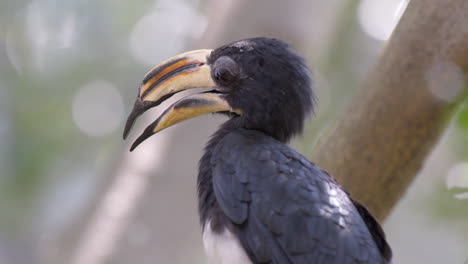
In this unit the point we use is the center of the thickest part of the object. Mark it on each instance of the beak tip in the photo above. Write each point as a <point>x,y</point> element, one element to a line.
<point>125,133</point>
<point>138,109</point>
<point>135,144</point>
<point>146,134</point>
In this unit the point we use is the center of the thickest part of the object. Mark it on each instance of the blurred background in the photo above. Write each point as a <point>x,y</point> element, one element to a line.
<point>70,192</point>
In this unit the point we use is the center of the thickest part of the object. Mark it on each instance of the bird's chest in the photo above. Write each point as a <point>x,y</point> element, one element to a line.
<point>223,247</point>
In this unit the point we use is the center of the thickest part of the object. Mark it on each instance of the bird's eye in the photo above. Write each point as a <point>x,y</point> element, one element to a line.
<point>224,76</point>
<point>226,71</point>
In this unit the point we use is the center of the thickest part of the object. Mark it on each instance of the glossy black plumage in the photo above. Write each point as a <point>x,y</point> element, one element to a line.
<point>283,208</point>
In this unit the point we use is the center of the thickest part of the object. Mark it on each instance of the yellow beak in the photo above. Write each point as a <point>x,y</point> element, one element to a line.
<point>184,71</point>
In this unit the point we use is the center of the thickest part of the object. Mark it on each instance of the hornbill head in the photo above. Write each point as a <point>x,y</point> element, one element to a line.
<point>260,83</point>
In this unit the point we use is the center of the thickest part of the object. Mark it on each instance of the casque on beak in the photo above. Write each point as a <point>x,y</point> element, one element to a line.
<point>182,72</point>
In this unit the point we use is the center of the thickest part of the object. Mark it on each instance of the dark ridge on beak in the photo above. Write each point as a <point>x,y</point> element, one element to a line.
<point>139,108</point>
<point>159,69</point>
<point>169,75</point>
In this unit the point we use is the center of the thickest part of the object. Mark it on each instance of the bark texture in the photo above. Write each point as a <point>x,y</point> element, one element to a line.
<point>382,140</point>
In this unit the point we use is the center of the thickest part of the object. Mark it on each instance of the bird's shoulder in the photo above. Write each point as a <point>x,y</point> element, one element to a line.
<point>290,210</point>
<point>253,156</point>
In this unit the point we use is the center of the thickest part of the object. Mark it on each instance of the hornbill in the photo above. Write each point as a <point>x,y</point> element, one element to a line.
<point>260,201</point>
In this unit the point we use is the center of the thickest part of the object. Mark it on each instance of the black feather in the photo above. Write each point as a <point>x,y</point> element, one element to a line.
<point>282,207</point>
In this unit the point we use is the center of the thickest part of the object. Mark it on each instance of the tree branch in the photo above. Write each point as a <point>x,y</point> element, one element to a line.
<point>379,145</point>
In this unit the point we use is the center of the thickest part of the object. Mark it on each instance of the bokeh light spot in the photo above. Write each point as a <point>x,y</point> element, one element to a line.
<point>98,108</point>
<point>159,34</point>
<point>445,80</point>
<point>457,177</point>
<point>379,18</point>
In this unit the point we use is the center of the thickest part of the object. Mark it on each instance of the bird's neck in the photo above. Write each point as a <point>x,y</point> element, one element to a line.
<point>207,205</point>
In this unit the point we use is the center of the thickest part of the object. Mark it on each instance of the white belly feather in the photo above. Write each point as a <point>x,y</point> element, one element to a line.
<point>223,248</point>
